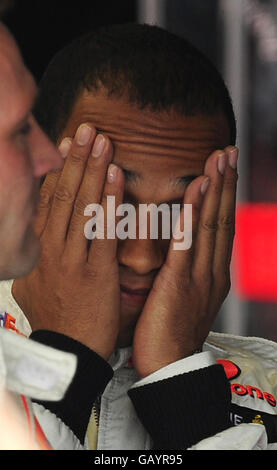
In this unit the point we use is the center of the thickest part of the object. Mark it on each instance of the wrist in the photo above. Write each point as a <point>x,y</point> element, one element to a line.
<point>189,364</point>
<point>102,350</point>
<point>153,367</point>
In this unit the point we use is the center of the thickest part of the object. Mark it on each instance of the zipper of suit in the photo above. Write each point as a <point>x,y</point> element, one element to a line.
<point>96,410</point>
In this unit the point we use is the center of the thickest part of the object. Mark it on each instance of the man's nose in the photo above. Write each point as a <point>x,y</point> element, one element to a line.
<point>141,255</point>
<point>44,153</point>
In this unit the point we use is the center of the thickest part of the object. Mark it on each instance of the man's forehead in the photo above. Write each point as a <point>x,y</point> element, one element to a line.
<point>147,143</point>
<point>9,52</point>
<point>159,152</point>
<point>131,118</point>
<point>117,117</point>
<point>17,87</point>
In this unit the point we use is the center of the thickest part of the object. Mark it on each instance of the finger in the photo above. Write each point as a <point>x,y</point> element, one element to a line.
<point>47,190</point>
<point>90,192</point>
<point>68,184</point>
<point>180,255</point>
<point>208,220</point>
<point>103,251</point>
<point>226,218</point>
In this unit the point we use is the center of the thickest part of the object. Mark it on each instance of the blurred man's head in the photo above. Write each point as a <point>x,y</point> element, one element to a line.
<point>165,108</point>
<point>26,154</point>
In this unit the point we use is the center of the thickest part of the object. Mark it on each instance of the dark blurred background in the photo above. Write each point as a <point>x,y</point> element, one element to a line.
<point>240,37</point>
<point>45,26</point>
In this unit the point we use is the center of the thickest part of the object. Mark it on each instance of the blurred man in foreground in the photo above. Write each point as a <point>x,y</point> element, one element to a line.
<point>27,369</point>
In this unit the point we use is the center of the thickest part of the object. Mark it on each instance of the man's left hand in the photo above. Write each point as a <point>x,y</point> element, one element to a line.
<point>192,284</point>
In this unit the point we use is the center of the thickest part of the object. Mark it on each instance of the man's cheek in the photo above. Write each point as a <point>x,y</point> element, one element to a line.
<point>15,168</point>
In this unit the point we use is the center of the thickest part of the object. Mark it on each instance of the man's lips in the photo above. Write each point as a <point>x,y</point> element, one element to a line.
<point>137,291</point>
<point>137,295</point>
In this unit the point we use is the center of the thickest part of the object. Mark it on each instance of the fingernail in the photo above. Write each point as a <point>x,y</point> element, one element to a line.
<point>233,158</point>
<point>221,163</point>
<point>112,172</point>
<point>205,185</point>
<point>83,134</point>
<point>98,146</point>
<point>65,147</point>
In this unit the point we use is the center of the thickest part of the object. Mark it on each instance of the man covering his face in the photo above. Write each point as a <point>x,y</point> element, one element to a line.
<point>139,114</point>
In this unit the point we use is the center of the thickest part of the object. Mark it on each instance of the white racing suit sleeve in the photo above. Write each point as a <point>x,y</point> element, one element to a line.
<point>242,437</point>
<point>59,436</point>
<point>30,369</point>
<point>36,370</point>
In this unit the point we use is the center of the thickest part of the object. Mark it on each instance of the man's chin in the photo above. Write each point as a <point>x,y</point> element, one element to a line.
<point>128,321</point>
<point>125,339</point>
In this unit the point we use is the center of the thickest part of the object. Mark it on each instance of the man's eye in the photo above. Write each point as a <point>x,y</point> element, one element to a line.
<point>188,179</point>
<point>25,130</point>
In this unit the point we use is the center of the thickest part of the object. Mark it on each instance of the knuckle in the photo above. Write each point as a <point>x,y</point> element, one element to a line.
<point>91,169</point>
<point>76,158</point>
<point>63,194</point>
<point>230,182</point>
<point>80,206</point>
<point>91,275</point>
<point>226,222</point>
<point>205,280</point>
<point>75,229</point>
<point>44,199</point>
<point>216,188</point>
<point>65,265</point>
<point>209,225</point>
<point>96,170</point>
<point>99,251</point>
<point>69,271</point>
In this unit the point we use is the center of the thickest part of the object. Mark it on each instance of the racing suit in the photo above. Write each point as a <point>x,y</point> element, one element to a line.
<point>29,369</point>
<point>182,406</point>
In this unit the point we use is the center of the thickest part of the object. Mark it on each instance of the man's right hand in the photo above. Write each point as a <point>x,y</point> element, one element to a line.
<point>74,289</point>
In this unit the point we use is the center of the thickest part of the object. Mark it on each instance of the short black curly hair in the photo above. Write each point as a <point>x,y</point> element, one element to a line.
<point>157,69</point>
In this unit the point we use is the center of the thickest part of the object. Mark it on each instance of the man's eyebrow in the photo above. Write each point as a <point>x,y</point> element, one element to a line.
<point>132,176</point>
<point>29,109</point>
<point>178,184</point>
